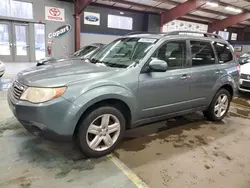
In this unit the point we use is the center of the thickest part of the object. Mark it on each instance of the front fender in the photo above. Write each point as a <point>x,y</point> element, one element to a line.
<point>101,93</point>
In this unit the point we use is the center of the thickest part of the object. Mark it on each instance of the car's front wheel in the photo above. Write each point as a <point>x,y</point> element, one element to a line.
<point>219,106</point>
<point>100,131</point>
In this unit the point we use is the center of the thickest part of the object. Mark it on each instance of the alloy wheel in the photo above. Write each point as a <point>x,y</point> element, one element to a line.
<point>221,105</point>
<point>103,132</point>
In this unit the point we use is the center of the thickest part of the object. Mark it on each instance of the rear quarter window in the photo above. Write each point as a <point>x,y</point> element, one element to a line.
<point>202,53</point>
<point>223,52</point>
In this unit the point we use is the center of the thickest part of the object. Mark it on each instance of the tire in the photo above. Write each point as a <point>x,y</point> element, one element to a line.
<point>86,134</point>
<point>211,113</point>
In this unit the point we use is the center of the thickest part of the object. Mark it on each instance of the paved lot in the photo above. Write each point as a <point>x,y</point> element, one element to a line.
<point>192,152</point>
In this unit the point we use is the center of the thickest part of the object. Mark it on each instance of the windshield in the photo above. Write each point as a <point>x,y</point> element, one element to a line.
<point>245,54</point>
<point>83,51</point>
<point>123,52</point>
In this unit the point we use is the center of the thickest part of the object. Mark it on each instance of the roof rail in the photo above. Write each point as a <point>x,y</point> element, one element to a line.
<point>141,32</point>
<point>211,35</point>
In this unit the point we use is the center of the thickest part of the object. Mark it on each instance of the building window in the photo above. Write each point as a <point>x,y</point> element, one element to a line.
<point>5,8</point>
<point>17,9</point>
<point>40,41</point>
<point>120,22</point>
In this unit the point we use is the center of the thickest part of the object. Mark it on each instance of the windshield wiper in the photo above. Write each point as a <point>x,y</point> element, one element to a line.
<point>115,65</point>
<point>89,59</point>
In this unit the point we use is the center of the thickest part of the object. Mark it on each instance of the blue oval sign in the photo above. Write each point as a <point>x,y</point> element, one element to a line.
<point>91,18</point>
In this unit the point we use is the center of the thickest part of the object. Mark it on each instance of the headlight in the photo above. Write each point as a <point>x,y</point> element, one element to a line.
<point>38,95</point>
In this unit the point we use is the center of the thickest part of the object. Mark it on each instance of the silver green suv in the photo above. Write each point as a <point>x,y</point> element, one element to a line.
<point>134,80</point>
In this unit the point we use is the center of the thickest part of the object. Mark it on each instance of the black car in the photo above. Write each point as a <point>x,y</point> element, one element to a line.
<point>83,53</point>
<point>244,58</point>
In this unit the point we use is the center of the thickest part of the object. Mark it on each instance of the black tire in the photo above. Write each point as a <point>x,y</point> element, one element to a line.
<point>210,113</point>
<point>85,123</point>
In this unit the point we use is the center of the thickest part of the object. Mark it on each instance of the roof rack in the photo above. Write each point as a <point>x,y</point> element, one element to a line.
<point>141,32</point>
<point>211,35</point>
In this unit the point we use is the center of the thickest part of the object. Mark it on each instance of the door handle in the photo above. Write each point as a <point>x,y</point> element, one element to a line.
<point>184,77</point>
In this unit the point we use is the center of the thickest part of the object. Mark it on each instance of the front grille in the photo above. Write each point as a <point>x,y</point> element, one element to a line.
<point>245,84</point>
<point>244,87</point>
<point>245,76</point>
<point>17,89</point>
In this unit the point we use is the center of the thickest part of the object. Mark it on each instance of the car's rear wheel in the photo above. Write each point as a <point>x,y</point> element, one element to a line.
<point>219,106</point>
<point>100,131</point>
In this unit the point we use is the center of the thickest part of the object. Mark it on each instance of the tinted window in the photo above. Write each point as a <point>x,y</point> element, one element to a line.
<point>223,52</point>
<point>174,53</point>
<point>202,53</point>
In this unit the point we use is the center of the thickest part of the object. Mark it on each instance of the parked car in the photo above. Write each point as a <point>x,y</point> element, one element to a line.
<point>2,68</point>
<point>244,58</point>
<point>245,77</point>
<point>84,52</point>
<point>134,80</point>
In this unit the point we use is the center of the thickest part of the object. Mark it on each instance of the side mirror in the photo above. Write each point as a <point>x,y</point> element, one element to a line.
<point>157,65</point>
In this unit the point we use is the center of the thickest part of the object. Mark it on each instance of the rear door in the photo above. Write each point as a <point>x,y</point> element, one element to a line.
<point>204,71</point>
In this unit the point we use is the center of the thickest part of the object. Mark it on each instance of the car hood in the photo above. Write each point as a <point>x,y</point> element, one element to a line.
<point>55,60</point>
<point>63,73</point>
<point>245,69</point>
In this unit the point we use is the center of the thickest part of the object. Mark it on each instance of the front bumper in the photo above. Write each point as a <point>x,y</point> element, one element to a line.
<point>54,120</point>
<point>244,85</point>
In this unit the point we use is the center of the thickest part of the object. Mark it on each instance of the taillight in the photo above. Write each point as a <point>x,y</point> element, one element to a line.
<point>238,67</point>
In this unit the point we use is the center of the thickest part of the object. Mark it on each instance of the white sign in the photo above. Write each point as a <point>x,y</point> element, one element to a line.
<point>147,40</point>
<point>91,18</point>
<point>234,36</point>
<point>54,14</point>
<point>224,34</point>
<point>120,22</point>
<point>180,25</point>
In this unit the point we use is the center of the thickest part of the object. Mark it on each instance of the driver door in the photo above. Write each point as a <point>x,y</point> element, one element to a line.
<point>166,92</point>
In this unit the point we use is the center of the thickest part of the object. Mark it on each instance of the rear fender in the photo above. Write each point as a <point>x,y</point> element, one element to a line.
<point>222,81</point>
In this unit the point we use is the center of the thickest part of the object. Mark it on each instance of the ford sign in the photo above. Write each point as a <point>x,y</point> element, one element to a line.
<point>91,18</point>
<point>60,31</point>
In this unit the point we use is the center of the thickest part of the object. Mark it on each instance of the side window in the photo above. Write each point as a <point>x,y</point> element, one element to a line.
<point>223,52</point>
<point>202,53</point>
<point>174,53</point>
